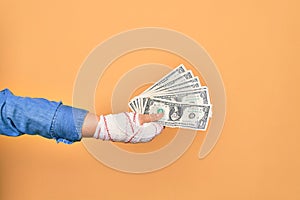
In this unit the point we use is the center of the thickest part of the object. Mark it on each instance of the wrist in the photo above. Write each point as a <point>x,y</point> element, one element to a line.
<point>89,125</point>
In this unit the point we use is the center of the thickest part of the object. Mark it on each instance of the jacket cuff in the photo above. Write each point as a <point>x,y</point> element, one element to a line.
<point>67,124</point>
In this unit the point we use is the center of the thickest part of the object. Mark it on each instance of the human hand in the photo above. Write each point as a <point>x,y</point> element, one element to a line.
<point>128,127</point>
<point>148,118</point>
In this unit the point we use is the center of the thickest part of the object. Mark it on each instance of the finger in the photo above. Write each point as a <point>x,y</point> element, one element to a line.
<point>146,118</point>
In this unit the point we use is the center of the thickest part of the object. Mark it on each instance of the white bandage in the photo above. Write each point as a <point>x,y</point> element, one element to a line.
<point>125,127</point>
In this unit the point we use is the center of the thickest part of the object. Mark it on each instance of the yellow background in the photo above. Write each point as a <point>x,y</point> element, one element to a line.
<point>255,45</point>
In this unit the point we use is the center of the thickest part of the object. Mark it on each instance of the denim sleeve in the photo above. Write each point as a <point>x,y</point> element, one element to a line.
<point>38,116</point>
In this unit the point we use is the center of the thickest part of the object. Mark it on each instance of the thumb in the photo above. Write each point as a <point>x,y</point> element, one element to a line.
<point>147,118</point>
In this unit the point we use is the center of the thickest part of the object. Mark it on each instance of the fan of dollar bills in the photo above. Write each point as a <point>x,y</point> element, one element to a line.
<point>180,96</point>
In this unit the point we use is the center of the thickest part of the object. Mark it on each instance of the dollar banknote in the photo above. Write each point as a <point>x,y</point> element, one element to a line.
<point>171,76</point>
<point>177,114</point>
<point>181,79</point>
<point>175,85</point>
<point>180,96</point>
<point>192,97</point>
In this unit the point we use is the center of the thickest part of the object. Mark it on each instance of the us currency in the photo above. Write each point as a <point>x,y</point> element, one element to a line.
<point>177,75</point>
<point>181,79</point>
<point>138,102</point>
<point>179,85</point>
<point>178,114</point>
<point>185,86</point>
<point>199,97</point>
<point>131,106</point>
<point>192,97</point>
<point>189,87</point>
<point>170,76</point>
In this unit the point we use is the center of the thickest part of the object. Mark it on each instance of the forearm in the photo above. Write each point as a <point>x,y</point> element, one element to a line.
<point>37,116</point>
<point>53,120</point>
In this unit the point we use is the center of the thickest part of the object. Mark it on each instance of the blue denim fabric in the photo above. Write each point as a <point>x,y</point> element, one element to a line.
<point>37,116</point>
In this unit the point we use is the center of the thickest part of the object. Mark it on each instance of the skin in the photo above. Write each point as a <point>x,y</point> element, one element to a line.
<point>91,121</point>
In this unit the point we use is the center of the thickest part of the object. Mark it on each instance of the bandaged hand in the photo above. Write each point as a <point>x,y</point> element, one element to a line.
<point>128,127</point>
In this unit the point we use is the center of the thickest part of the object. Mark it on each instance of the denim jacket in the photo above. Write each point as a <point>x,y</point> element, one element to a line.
<point>37,116</point>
